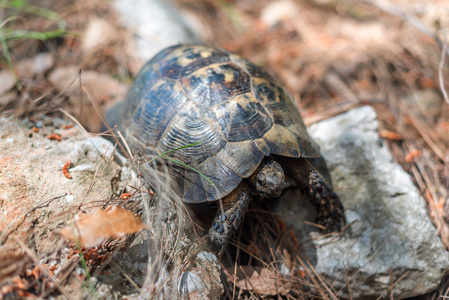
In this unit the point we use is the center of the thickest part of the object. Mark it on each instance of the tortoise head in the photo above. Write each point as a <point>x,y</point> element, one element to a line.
<point>268,180</point>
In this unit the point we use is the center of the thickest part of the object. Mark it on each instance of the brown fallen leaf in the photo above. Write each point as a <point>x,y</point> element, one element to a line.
<point>92,229</point>
<point>104,88</point>
<point>261,280</point>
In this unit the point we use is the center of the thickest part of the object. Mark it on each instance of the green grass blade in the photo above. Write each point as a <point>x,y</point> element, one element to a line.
<point>8,58</point>
<point>25,34</point>
<point>163,155</point>
<point>179,148</point>
<point>191,168</point>
<point>7,33</point>
<point>28,8</point>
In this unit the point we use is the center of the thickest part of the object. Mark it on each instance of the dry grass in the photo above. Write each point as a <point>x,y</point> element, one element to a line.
<point>346,54</point>
<point>340,55</point>
<point>332,57</point>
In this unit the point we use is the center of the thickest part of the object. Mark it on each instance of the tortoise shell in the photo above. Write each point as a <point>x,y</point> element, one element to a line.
<point>233,111</point>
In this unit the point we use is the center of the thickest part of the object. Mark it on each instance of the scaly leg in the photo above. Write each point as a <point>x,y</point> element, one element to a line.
<point>227,222</point>
<point>312,178</point>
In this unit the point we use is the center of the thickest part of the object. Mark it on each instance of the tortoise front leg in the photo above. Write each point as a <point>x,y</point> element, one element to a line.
<point>227,221</point>
<point>313,179</point>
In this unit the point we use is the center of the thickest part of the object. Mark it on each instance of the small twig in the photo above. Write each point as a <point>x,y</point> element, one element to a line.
<point>375,253</point>
<point>350,104</point>
<point>395,10</point>
<point>47,272</point>
<point>3,238</point>
<point>347,282</point>
<point>392,286</point>
<point>99,174</point>
<point>426,133</point>
<point>320,282</point>
<point>73,119</point>
<point>64,276</point>
<point>391,283</point>
<point>440,71</point>
<point>131,157</point>
<point>116,266</point>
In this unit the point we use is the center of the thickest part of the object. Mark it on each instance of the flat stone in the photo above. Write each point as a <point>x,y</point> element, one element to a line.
<point>391,238</point>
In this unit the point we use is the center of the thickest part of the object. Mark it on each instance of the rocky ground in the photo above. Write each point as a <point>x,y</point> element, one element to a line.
<point>390,248</point>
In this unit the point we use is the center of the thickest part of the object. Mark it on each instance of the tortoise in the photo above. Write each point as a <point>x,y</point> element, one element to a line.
<point>244,135</point>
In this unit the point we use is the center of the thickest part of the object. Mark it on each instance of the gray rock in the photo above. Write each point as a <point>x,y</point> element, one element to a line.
<point>32,183</point>
<point>391,237</point>
<point>202,281</point>
<point>390,227</point>
<point>190,282</point>
<point>157,25</point>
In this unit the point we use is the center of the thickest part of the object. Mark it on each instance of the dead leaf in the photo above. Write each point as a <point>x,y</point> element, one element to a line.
<point>261,280</point>
<point>92,229</point>
<point>101,87</point>
<point>104,87</point>
<point>7,81</point>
